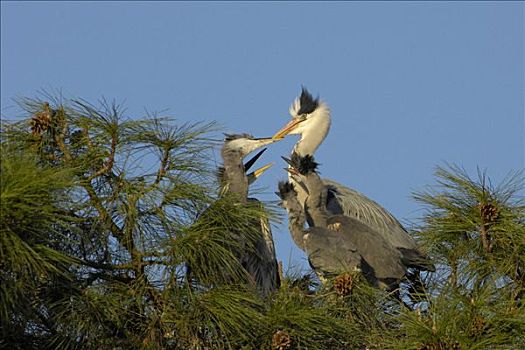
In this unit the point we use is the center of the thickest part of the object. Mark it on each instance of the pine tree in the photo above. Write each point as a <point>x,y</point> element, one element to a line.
<point>113,236</point>
<point>475,231</point>
<point>100,217</point>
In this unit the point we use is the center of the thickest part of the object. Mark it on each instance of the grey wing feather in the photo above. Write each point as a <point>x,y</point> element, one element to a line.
<point>263,266</point>
<point>330,252</point>
<point>384,259</point>
<point>345,201</point>
<point>269,258</point>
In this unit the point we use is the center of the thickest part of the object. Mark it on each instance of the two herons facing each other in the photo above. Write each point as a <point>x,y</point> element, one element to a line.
<point>345,228</point>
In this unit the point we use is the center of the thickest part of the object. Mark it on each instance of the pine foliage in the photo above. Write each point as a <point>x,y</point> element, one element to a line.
<point>114,236</point>
<point>475,232</point>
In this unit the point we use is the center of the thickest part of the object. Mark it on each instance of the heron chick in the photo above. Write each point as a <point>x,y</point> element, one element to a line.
<point>380,262</point>
<point>329,253</point>
<point>262,265</point>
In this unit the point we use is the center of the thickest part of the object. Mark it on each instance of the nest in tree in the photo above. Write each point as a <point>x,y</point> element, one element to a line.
<point>41,121</point>
<point>281,340</point>
<point>343,284</point>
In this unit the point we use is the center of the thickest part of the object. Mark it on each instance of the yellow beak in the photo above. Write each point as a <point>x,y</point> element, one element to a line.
<point>255,174</point>
<point>261,170</point>
<point>287,128</point>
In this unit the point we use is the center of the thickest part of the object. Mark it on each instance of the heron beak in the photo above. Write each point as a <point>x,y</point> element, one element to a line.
<point>255,175</point>
<point>292,171</point>
<point>287,160</point>
<point>279,135</point>
<point>254,144</point>
<point>252,161</point>
<point>296,175</point>
<point>261,170</point>
<point>264,140</point>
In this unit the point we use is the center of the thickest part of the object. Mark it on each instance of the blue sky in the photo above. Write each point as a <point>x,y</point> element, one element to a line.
<point>411,85</point>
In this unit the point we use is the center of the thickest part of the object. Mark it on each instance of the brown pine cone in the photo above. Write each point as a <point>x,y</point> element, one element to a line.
<point>41,121</point>
<point>281,340</point>
<point>489,213</point>
<point>343,284</point>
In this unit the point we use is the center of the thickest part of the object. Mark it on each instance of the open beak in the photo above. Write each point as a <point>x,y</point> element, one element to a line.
<point>255,175</point>
<point>254,144</point>
<point>252,161</point>
<point>295,174</point>
<point>292,171</point>
<point>261,170</point>
<point>287,128</point>
<point>288,161</point>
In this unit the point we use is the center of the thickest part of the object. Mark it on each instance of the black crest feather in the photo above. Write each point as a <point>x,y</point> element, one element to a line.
<point>285,189</point>
<point>307,102</point>
<point>303,165</point>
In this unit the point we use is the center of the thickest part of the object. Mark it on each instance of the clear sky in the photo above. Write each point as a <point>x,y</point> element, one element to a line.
<point>411,85</point>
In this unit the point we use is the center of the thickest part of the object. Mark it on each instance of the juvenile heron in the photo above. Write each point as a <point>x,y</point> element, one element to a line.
<point>262,266</point>
<point>311,120</point>
<point>365,248</point>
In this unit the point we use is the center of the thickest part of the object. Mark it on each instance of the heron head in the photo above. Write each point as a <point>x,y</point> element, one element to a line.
<point>244,144</point>
<point>286,191</point>
<point>236,147</point>
<point>309,115</point>
<point>288,197</point>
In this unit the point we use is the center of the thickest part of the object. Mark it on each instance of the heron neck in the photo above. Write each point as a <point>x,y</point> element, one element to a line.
<point>316,200</point>
<point>296,221</point>
<point>235,179</point>
<point>310,140</point>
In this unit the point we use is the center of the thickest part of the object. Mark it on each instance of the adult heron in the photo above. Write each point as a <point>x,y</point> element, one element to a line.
<point>337,243</point>
<point>311,120</point>
<point>262,266</point>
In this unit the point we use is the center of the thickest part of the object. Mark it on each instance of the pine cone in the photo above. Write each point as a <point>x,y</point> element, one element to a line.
<point>343,284</point>
<point>281,340</point>
<point>41,121</point>
<point>489,213</point>
<point>478,325</point>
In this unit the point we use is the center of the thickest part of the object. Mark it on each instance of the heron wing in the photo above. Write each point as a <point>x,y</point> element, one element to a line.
<point>330,252</point>
<point>263,266</point>
<point>384,259</point>
<point>267,250</point>
<point>345,201</point>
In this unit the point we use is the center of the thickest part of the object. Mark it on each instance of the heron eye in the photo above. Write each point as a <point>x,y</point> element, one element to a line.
<point>303,116</point>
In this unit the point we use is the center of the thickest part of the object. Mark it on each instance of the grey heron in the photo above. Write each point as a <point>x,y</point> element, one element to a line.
<point>337,239</point>
<point>311,120</point>
<point>262,266</point>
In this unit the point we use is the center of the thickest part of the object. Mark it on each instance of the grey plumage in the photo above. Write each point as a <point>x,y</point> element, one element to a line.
<point>335,243</point>
<point>311,120</point>
<point>262,266</point>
